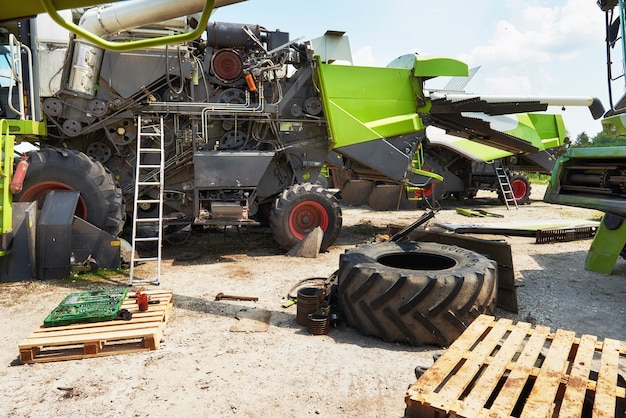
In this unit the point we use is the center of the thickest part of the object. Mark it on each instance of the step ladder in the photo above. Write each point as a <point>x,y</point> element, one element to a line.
<point>149,176</point>
<point>505,186</point>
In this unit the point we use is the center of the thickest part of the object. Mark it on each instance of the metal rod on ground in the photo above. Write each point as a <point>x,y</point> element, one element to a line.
<point>429,214</point>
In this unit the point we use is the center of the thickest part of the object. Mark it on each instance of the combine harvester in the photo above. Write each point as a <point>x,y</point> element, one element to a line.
<point>595,178</point>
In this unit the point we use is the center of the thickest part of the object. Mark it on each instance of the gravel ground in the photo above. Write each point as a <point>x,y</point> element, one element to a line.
<point>204,369</point>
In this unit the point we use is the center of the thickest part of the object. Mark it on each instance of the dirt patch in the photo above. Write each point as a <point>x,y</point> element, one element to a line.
<point>202,368</point>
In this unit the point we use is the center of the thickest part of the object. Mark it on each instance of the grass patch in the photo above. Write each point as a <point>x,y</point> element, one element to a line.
<point>536,178</point>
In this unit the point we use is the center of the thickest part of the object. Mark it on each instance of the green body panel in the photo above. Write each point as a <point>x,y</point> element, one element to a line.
<point>28,128</point>
<point>431,66</point>
<point>428,67</point>
<point>544,131</point>
<point>368,103</point>
<point>615,125</point>
<point>7,141</point>
<point>585,157</point>
<point>9,131</point>
<point>605,248</point>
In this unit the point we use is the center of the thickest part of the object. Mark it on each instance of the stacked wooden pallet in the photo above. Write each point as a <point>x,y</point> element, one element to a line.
<point>497,369</point>
<point>94,339</point>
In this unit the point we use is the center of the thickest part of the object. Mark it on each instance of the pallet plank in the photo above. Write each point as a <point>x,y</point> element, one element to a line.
<point>92,339</point>
<point>604,403</point>
<point>472,364</point>
<point>521,372</point>
<point>541,398</point>
<point>518,376</point>
<point>576,389</point>
<point>482,390</point>
<point>435,374</point>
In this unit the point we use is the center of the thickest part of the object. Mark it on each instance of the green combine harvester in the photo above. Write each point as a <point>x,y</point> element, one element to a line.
<point>595,178</point>
<point>247,117</point>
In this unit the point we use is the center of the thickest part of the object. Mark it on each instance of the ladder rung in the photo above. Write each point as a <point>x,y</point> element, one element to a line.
<point>147,259</point>
<point>155,137</point>
<point>154,281</point>
<point>146,239</point>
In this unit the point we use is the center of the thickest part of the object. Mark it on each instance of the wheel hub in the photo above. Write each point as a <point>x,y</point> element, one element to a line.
<point>38,192</point>
<point>307,216</point>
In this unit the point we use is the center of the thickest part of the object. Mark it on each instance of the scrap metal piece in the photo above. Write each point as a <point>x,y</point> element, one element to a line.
<point>564,234</point>
<point>499,251</point>
<point>221,296</point>
<point>428,215</point>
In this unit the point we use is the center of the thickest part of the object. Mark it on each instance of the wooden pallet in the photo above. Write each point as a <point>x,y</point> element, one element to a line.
<point>497,369</point>
<point>95,339</point>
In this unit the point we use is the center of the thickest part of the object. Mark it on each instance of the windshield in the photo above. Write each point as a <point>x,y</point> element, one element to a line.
<point>5,67</point>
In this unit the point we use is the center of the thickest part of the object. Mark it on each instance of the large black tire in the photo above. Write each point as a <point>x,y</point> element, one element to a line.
<point>420,293</point>
<point>301,208</point>
<point>101,202</point>
<point>520,185</point>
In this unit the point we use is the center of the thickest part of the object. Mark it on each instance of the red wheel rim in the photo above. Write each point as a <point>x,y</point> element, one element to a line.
<point>428,190</point>
<point>519,189</point>
<point>305,217</point>
<point>39,190</point>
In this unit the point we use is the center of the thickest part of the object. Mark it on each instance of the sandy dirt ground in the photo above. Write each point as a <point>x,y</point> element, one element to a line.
<point>204,369</point>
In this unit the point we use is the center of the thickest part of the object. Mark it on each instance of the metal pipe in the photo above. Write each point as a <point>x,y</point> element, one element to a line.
<point>108,20</point>
<point>548,100</point>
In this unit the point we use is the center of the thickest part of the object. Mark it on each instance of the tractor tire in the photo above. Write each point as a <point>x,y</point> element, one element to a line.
<point>100,203</point>
<point>299,210</point>
<point>520,185</point>
<point>420,293</point>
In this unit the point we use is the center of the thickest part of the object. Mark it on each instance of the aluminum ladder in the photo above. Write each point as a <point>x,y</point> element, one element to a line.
<point>149,175</point>
<point>505,186</point>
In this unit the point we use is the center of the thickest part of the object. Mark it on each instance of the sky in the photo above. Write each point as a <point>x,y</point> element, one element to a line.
<point>523,47</point>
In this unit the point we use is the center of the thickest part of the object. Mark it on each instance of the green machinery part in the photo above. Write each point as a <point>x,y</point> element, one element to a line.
<point>27,8</point>
<point>594,178</point>
<point>367,105</point>
<point>132,45</point>
<point>607,245</point>
<point>7,141</point>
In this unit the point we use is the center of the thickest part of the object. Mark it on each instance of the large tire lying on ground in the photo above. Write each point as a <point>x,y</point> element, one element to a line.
<point>413,292</point>
<point>100,203</point>
<point>299,210</point>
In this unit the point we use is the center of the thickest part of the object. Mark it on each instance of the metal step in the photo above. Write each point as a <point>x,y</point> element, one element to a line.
<point>505,186</point>
<point>142,187</point>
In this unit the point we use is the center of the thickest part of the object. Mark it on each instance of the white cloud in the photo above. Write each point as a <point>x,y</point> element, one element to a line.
<point>364,56</point>
<point>540,35</point>
<point>518,85</point>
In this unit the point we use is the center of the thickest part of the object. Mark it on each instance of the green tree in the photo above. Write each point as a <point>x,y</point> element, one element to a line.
<point>599,140</point>
<point>582,140</point>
